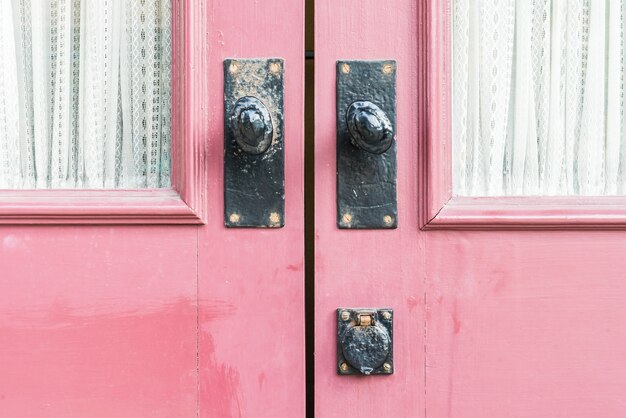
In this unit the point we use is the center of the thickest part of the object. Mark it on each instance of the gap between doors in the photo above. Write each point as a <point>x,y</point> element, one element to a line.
<point>309,205</point>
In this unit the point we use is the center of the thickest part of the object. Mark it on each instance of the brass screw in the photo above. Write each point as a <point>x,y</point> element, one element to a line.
<point>234,68</point>
<point>274,218</point>
<point>345,68</point>
<point>234,217</point>
<point>387,315</point>
<point>346,218</point>
<point>387,367</point>
<point>344,367</point>
<point>274,68</point>
<point>345,315</point>
<point>387,68</point>
<point>388,219</point>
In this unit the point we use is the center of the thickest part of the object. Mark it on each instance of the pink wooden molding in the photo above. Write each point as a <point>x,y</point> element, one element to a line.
<point>439,209</point>
<point>184,203</point>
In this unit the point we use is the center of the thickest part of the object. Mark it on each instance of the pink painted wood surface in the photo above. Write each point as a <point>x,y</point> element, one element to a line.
<point>101,321</point>
<point>251,282</point>
<point>518,323</point>
<point>531,213</point>
<point>184,203</point>
<point>141,320</point>
<point>95,207</point>
<point>98,321</point>
<point>434,107</point>
<point>525,324</point>
<point>368,268</point>
<point>490,323</point>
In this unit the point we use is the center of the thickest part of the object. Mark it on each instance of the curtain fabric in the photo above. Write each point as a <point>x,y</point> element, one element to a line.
<point>85,93</point>
<point>538,97</point>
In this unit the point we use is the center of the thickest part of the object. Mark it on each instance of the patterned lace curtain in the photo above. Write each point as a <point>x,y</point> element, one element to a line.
<point>538,97</point>
<point>85,93</point>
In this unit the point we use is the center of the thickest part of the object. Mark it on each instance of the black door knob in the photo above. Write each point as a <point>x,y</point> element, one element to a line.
<point>369,127</point>
<point>252,125</point>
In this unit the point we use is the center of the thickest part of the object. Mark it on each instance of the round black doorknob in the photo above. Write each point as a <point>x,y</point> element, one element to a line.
<point>252,125</point>
<point>366,347</point>
<point>369,127</point>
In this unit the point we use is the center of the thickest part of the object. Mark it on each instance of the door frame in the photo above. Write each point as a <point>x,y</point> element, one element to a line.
<point>439,208</point>
<point>184,202</point>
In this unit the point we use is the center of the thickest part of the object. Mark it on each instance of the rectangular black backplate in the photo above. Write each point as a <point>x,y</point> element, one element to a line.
<point>254,184</point>
<point>366,182</point>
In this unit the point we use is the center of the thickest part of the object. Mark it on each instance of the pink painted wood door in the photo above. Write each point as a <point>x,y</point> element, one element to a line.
<point>125,304</point>
<point>502,307</point>
<point>368,268</point>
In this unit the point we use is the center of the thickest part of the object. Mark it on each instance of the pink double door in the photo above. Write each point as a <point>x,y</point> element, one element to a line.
<point>500,309</point>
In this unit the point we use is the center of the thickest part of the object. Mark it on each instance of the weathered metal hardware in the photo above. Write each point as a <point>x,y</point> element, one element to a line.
<point>369,127</point>
<point>252,125</point>
<point>254,181</point>
<point>364,341</point>
<point>366,145</point>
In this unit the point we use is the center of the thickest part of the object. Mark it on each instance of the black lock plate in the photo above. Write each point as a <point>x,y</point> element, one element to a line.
<point>366,181</point>
<point>254,183</point>
<point>364,341</point>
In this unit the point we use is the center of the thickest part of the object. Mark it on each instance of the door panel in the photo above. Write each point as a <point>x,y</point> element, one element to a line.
<point>169,320</point>
<point>251,281</point>
<point>487,323</point>
<point>98,321</point>
<point>525,324</point>
<point>367,268</point>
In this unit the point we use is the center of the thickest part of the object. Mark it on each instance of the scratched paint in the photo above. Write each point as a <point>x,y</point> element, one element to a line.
<point>526,324</point>
<point>367,268</point>
<point>165,320</point>
<point>489,323</point>
<point>83,335</point>
<point>258,273</point>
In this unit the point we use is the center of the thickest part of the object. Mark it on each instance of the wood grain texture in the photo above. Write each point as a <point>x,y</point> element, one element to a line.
<point>365,268</point>
<point>525,324</point>
<point>251,282</point>
<point>142,321</point>
<point>538,212</point>
<point>101,321</point>
<point>519,322</point>
<point>98,321</point>
<point>434,107</point>
<point>515,323</point>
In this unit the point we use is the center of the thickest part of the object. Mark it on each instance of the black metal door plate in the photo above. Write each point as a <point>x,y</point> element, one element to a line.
<point>254,179</point>
<point>364,341</point>
<point>366,145</point>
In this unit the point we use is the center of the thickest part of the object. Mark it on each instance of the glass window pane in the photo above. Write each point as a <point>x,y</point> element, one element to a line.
<point>538,97</point>
<point>85,94</point>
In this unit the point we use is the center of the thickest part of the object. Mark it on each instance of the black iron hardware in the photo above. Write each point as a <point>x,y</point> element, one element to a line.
<point>364,341</point>
<point>252,125</point>
<point>369,127</point>
<point>366,145</point>
<point>254,181</point>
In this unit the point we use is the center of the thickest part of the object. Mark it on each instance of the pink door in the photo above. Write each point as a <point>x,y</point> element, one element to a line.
<point>505,306</point>
<point>118,303</point>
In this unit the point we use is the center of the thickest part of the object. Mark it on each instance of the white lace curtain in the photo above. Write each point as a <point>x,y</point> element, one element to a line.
<point>85,93</point>
<point>538,97</point>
